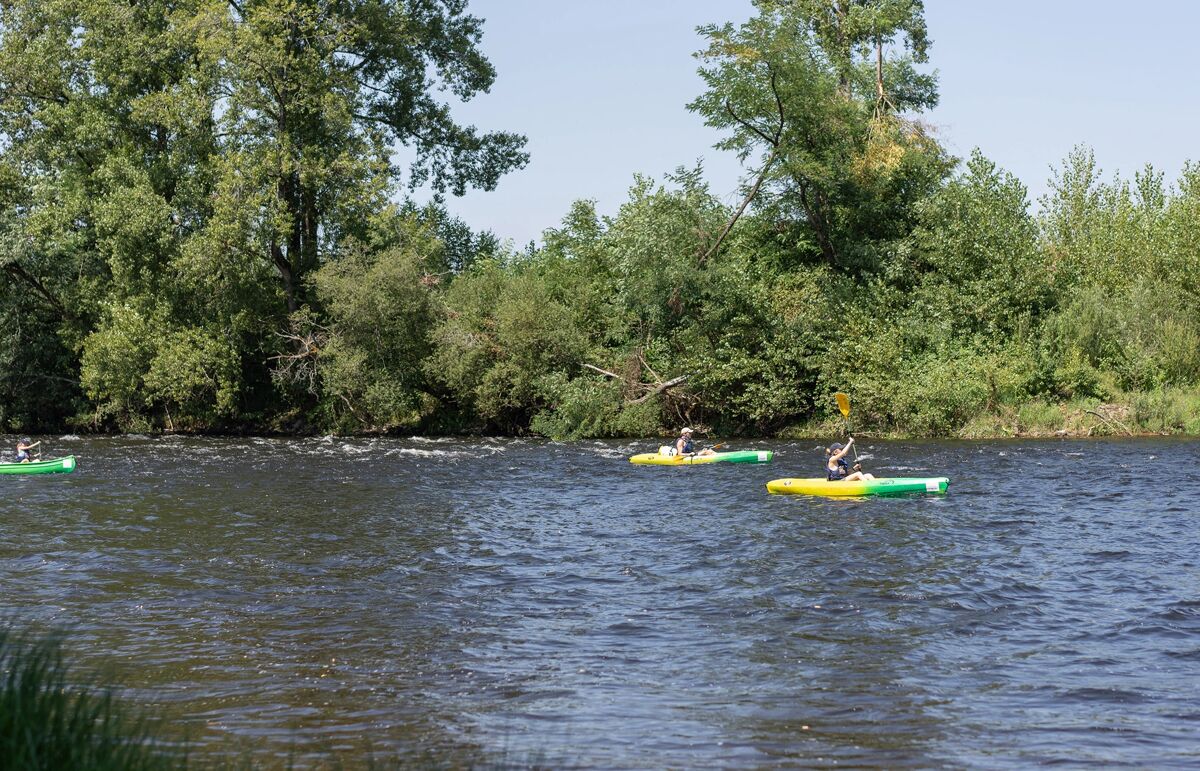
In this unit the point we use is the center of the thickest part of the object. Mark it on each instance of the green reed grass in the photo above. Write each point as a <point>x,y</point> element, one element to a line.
<point>50,721</point>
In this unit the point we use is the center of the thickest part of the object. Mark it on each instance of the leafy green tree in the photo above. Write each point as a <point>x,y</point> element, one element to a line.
<point>506,330</point>
<point>317,92</point>
<point>853,36</point>
<point>382,307</point>
<point>977,258</point>
<point>186,168</point>
<point>840,168</point>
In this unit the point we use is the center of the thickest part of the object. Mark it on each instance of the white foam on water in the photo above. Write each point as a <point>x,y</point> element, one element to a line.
<point>420,453</point>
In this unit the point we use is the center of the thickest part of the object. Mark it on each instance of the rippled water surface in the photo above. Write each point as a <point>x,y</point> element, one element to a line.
<point>467,602</point>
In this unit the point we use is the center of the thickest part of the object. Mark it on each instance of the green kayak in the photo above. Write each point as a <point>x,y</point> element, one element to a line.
<point>661,458</point>
<point>54,466</point>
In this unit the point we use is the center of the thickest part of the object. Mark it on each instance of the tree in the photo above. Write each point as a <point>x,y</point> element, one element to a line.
<point>190,165</point>
<point>839,166</point>
<point>382,307</point>
<point>317,92</point>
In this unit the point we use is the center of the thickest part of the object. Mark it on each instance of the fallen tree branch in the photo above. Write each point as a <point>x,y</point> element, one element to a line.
<point>660,388</point>
<point>1111,422</point>
<point>613,375</point>
<point>651,390</point>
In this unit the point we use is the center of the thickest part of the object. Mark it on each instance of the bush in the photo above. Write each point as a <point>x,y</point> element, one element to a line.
<point>1148,336</point>
<point>1167,411</point>
<point>1039,417</point>
<point>588,407</point>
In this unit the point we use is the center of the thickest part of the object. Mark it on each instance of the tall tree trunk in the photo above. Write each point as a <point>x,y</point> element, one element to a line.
<point>310,219</point>
<point>814,212</point>
<point>286,276</point>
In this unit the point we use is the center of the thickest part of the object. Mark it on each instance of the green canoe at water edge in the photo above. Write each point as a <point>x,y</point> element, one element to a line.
<point>54,466</point>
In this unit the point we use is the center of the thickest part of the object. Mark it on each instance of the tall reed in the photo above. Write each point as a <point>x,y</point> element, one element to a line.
<point>49,720</point>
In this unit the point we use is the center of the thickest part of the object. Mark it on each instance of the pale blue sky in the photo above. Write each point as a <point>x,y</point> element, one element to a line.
<point>601,90</point>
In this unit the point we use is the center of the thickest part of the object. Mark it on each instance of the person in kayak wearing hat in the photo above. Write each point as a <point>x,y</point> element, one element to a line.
<point>685,446</point>
<point>836,469</point>
<point>23,448</point>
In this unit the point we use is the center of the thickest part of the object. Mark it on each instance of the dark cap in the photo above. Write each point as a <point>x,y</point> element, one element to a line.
<point>836,446</point>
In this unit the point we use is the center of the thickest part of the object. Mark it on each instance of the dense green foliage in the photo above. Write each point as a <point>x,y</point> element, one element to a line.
<point>200,233</point>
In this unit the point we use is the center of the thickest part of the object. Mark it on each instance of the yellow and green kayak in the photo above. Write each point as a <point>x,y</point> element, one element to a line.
<point>662,459</point>
<point>56,466</point>
<point>859,488</point>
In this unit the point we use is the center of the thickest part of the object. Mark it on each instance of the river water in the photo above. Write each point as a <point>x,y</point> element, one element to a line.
<point>453,603</point>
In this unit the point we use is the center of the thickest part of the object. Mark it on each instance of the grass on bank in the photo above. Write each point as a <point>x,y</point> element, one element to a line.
<point>1162,412</point>
<point>52,719</point>
<point>47,721</point>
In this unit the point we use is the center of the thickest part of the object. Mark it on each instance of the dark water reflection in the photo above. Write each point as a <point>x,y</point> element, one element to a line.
<point>505,599</point>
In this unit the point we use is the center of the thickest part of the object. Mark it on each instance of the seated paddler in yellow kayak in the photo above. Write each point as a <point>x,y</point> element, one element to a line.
<point>685,446</point>
<point>836,468</point>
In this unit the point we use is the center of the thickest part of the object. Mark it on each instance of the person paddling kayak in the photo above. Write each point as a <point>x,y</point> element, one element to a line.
<point>23,448</point>
<point>836,468</point>
<point>685,446</point>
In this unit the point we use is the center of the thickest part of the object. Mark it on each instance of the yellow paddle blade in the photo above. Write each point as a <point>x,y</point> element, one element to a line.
<point>843,403</point>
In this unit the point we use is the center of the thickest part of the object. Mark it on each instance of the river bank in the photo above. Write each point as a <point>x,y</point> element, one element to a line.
<point>1169,412</point>
<point>1145,415</point>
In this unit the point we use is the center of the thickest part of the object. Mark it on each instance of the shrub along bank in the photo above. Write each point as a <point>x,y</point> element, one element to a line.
<point>195,242</point>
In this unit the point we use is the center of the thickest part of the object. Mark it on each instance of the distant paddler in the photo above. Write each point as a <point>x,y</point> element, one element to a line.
<point>23,448</point>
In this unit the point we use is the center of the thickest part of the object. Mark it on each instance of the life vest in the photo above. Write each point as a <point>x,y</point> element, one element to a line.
<point>688,447</point>
<point>842,470</point>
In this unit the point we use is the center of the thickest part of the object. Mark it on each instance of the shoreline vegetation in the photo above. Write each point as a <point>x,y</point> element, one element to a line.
<point>50,718</point>
<point>57,714</point>
<point>203,231</point>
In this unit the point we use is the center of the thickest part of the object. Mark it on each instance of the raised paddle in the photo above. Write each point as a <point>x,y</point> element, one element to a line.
<point>844,405</point>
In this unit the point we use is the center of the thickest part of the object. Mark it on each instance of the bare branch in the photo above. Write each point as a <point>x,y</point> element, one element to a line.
<point>605,372</point>
<point>651,390</point>
<point>774,142</point>
<point>17,271</point>
<point>660,388</point>
<point>762,175</point>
